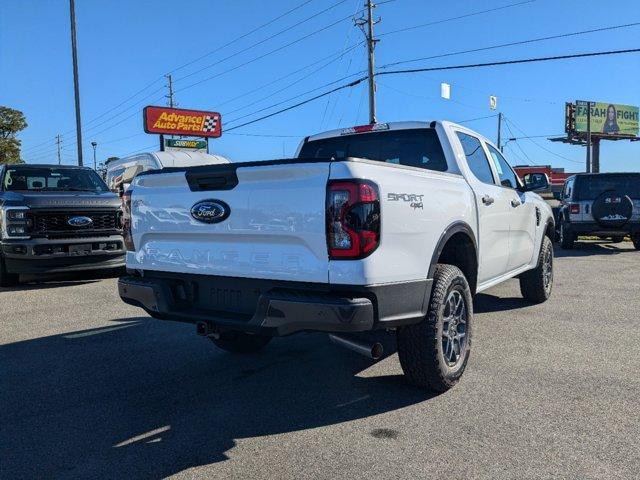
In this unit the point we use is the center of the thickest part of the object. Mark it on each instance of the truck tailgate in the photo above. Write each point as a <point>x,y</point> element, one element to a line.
<point>275,227</point>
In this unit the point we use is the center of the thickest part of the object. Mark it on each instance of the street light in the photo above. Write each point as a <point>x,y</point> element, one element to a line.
<point>513,139</point>
<point>94,145</point>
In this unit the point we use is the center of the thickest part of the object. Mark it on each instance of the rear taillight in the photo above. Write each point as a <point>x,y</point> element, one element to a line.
<point>126,221</point>
<point>353,219</point>
<point>574,208</point>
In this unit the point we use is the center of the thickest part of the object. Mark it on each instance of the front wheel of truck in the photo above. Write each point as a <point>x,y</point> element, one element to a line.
<point>434,353</point>
<point>240,342</point>
<point>536,284</point>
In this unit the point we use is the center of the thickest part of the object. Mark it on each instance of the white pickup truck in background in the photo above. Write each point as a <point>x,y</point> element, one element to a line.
<point>386,226</point>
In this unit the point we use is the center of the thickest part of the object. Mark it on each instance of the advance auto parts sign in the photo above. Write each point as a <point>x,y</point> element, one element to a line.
<point>178,121</point>
<point>607,119</point>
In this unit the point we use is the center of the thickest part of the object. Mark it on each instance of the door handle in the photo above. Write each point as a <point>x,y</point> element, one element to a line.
<point>487,200</point>
<point>515,203</point>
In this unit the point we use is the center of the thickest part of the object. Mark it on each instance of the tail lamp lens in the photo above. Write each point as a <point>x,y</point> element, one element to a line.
<point>353,219</point>
<point>126,221</point>
<point>574,208</point>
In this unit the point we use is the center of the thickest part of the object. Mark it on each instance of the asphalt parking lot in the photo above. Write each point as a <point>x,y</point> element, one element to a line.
<point>92,388</point>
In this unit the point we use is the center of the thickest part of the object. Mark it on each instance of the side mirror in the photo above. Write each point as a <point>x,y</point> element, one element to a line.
<point>534,182</point>
<point>557,195</point>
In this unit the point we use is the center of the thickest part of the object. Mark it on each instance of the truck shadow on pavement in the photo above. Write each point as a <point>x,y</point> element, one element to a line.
<point>586,249</point>
<point>142,398</point>
<point>55,280</point>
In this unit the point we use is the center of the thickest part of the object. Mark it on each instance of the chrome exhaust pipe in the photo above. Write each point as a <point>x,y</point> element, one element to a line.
<point>370,350</point>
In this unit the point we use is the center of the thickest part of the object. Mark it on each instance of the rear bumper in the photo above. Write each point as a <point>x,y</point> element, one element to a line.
<point>592,228</point>
<point>275,308</point>
<point>41,255</point>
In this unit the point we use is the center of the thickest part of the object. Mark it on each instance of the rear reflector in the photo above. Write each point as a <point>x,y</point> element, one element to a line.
<point>353,219</point>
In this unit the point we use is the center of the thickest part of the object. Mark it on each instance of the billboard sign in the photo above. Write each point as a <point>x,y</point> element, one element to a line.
<point>178,121</point>
<point>606,119</point>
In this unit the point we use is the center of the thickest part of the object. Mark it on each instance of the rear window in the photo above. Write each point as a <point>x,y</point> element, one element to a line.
<point>589,187</point>
<point>413,148</point>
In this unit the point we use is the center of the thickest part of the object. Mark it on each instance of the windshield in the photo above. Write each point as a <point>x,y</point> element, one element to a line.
<point>414,148</point>
<point>53,179</point>
<point>589,187</point>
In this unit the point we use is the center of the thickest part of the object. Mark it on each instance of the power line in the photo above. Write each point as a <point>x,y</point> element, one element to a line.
<point>146,87</point>
<point>510,62</point>
<point>511,44</point>
<point>509,121</point>
<point>264,40</point>
<point>284,77</point>
<point>518,145</point>
<point>347,85</point>
<point>292,83</point>
<point>268,135</point>
<point>294,97</point>
<point>235,40</point>
<point>271,52</point>
<point>451,67</point>
<point>459,17</point>
<point>477,118</point>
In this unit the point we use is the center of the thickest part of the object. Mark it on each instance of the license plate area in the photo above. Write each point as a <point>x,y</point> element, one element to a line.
<point>233,296</point>
<point>81,249</point>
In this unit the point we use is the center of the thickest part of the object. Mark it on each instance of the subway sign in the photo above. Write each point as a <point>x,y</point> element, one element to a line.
<point>194,144</point>
<point>179,121</point>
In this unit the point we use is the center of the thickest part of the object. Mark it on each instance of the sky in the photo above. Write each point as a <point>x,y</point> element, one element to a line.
<point>223,58</point>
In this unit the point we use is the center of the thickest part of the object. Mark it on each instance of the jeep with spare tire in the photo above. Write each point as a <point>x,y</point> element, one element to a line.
<point>604,205</point>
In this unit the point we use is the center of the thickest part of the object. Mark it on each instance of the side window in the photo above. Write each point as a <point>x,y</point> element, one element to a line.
<point>568,189</point>
<point>476,158</point>
<point>507,176</point>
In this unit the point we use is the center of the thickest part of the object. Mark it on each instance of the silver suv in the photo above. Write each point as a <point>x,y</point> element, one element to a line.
<point>606,205</point>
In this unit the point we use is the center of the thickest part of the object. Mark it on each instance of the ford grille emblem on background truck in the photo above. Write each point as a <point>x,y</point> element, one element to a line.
<point>80,221</point>
<point>210,211</point>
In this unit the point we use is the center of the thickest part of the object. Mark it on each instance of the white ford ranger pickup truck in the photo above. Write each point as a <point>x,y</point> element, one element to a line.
<point>386,226</point>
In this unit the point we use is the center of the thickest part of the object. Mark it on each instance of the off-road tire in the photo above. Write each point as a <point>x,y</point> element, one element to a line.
<point>240,342</point>
<point>567,240</point>
<point>617,239</point>
<point>533,285</point>
<point>420,346</point>
<point>7,279</point>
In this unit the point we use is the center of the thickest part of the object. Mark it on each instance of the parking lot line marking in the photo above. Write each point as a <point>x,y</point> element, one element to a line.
<point>142,436</point>
<point>100,330</point>
<point>351,402</point>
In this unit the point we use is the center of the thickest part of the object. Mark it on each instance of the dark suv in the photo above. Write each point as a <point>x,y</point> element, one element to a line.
<point>605,205</point>
<point>56,218</point>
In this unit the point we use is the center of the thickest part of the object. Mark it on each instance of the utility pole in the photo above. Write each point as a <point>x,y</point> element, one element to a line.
<point>499,128</point>
<point>595,155</point>
<point>58,142</point>
<point>76,85</point>
<point>588,137</point>
<point>170,87</point>
<point>371,45</point>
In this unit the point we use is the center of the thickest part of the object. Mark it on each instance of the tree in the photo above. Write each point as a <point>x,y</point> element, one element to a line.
<point>11,122</point>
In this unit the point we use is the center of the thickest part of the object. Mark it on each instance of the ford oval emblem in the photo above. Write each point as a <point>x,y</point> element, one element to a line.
<point>80,221</point>
<point>210,211</point>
